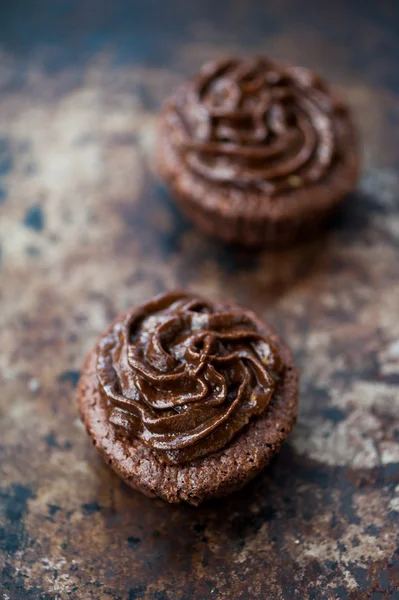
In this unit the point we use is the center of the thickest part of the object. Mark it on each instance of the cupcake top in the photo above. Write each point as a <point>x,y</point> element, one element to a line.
<point>258,125</point>
<point>185,375</point>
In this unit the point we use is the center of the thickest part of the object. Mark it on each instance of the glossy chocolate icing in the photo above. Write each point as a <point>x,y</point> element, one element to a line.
<point>185,375</point>
<point>257,124</point>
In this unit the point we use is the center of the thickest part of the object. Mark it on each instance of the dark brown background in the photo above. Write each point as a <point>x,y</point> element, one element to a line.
<point>86,231</point>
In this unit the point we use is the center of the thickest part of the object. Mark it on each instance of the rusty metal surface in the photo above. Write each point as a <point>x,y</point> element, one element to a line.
<point>86,231</point>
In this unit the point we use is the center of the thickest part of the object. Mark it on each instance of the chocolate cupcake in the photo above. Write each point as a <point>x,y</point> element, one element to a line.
<point>257,151</point>
<point>187,399</point>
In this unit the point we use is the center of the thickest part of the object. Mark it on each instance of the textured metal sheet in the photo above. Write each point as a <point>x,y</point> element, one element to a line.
<point>86,231</point>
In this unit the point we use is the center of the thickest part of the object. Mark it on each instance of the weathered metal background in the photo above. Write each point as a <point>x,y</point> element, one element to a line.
<point>86,231</point>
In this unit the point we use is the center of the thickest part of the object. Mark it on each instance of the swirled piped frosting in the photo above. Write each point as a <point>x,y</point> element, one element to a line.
<point>257,124</point>
<point>185,375</point>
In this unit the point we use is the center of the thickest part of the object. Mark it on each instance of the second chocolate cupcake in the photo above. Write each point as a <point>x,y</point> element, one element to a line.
<point>256,151</point>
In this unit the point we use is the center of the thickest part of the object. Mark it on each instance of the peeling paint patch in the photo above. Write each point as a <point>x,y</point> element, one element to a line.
<point>14,504</point>
<point>34,218</point>
<point>71,377</point>
<point>91,508</point>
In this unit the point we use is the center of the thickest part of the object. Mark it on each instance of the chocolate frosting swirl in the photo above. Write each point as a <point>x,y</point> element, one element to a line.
<point>257,124</point>
<point>185,375</point>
